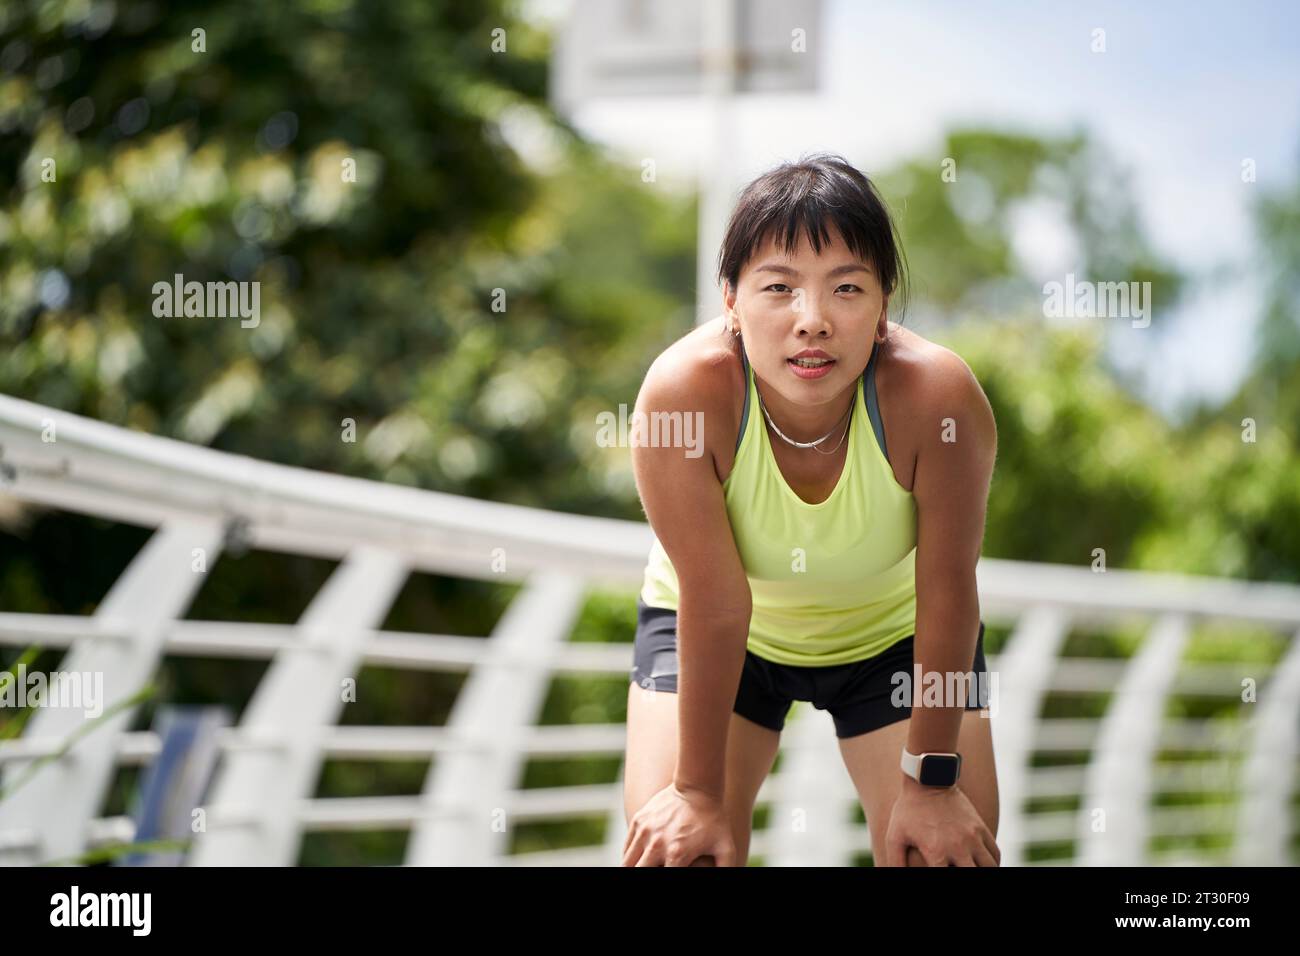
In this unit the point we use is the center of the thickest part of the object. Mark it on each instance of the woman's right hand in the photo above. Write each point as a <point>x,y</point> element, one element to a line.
<point>680,828</point>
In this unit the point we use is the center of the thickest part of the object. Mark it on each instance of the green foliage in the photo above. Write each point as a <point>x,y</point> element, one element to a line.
<point>1075,452</point>
<point>377,295</point>
<point>957,211</point>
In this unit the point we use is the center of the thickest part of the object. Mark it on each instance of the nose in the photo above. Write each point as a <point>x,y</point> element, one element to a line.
<point>812,317</point>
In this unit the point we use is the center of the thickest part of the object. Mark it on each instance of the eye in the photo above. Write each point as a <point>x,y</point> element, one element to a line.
<point>849,285</point>
<point>775,284</point>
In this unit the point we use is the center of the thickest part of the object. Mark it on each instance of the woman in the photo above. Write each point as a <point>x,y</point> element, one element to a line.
<point>826,542</point>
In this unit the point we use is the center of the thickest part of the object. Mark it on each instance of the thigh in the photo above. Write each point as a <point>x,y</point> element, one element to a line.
<point>651,759</point>
<point>872,760</point>
<point>652,727</point>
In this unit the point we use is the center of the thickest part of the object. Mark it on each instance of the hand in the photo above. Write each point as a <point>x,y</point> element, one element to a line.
<point>943,826</point>
<point>680,828</point>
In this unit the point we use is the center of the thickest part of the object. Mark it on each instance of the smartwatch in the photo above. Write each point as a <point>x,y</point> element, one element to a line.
<point>932,769</point>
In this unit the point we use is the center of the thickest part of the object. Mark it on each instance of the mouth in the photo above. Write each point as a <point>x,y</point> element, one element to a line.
<point>809,368</point>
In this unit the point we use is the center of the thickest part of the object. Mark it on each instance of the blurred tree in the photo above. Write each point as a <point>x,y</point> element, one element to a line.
<point>1237,488</point>
<point>961,208</point>
<point>1075,451</point>
<point>445,301</point>
<point>1277,216</point>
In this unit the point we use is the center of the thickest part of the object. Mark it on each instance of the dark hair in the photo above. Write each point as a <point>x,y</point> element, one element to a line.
<point>802,196</point>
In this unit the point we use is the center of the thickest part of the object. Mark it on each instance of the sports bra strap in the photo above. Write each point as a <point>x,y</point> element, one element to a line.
<point>744,416</point>
<point>873,404</point>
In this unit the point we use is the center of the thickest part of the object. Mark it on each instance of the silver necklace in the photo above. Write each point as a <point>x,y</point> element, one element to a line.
<point>808,444</point>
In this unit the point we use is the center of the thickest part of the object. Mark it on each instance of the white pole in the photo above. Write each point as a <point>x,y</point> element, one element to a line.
<point>720,51</point>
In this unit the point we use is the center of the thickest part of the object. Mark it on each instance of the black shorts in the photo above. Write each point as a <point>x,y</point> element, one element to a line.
<point>859,695</point>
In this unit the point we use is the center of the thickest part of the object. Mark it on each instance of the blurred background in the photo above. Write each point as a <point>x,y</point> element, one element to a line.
<point>525,230</point>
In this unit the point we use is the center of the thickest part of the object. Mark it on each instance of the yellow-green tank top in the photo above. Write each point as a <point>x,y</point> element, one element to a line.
<point>832,582</point>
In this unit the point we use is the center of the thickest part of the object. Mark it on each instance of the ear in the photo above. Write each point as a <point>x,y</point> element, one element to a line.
<point>729,305</point>
<point>882,326</point>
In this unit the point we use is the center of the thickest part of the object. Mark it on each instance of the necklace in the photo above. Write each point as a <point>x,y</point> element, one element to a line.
<point>808,444</point>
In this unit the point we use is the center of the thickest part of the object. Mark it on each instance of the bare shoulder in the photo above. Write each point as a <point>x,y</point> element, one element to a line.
<point>700,356</point>
<point>682,494</point>
<point>945,418</point>
<point>926,376</point>
<point>699,372</point>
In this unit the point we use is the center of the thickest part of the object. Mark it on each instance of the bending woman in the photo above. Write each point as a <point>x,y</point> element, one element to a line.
<point>823,544</point>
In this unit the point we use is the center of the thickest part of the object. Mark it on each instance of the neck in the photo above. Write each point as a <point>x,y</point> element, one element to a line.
<point>808,422</point>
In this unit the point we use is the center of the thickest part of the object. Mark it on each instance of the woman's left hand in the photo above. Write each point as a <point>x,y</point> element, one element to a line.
<point>942,824</point>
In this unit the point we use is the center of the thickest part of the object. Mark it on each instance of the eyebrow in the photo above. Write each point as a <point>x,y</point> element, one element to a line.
<point>837,271</point>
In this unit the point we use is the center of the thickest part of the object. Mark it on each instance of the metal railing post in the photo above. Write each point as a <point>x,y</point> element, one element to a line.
<point>465,791</point>
<point>61,798</point>
<point>1264,815</point>
<point>252,817</point>
<point>1119,779</point>
<point>1024,669</point>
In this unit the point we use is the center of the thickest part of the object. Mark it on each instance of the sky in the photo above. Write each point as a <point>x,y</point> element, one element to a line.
<point>1182,94</point>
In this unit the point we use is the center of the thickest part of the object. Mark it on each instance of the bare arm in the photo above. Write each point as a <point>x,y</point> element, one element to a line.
<point>684,503</point>
<point>954,468</point>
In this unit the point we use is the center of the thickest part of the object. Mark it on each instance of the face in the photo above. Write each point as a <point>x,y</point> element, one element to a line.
<point>785,305</point>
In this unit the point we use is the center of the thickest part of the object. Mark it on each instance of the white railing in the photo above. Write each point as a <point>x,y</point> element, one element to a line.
<point>261,801</point>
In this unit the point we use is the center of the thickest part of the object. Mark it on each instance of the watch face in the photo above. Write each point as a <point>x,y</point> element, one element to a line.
<point>939,770</point>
